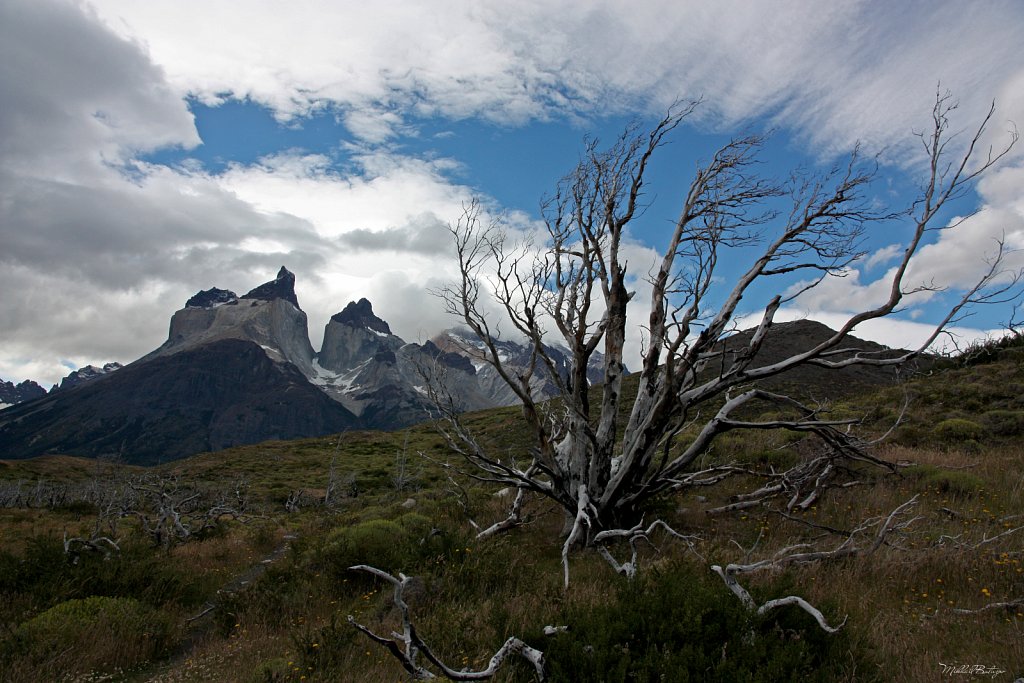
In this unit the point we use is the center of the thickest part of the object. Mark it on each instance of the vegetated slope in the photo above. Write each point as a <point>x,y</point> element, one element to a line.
<point>976,397</point>
<point>221,394</point>
<point>810,381</point>
<point>676,621</point>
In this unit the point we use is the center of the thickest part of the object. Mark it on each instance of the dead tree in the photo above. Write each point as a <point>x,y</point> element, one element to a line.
<point>76,546</point>
<point>405,476</point>
<point>171,511</point>
<point>602,455</point>
<point>600,459</point>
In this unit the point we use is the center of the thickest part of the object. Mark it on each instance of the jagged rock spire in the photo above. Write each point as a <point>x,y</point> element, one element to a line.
<point>282,287</point>
<point>360,314</point>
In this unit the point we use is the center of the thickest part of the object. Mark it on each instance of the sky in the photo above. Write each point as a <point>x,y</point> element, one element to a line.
<point>152,149</point>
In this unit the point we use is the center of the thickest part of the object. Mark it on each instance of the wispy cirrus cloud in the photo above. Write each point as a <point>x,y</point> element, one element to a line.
<point>833,73</point>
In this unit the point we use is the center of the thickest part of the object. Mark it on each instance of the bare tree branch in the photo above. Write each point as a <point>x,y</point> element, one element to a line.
<point>801,554</point>
<point>407,646</point>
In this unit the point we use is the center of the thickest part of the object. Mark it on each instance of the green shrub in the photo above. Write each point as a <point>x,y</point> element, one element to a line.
<point>680,626</point>
<point>383,543</point>
<point>958,429</point>
<point>957,483</point>
<point>90,634</point>
<point>274,670</point>
<point>911,435</point>
<point>1004,422</point>
<point>882,411</point>
<point>945,481</point>
<point>44,575</point>
<point>418,526</point>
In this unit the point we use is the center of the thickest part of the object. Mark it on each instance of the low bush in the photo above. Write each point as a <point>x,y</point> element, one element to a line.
<point>1004,422</point>
<point>43,576</point>
<point>911,435</point>
<point>959,430</point>
<point>945,481</point>
<point>94,634</point>
<point>676,625</point>
<point>397,545</point>
<point>382,543</point>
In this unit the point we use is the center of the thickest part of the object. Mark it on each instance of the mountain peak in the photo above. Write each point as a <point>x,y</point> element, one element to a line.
<point>85,374</point>
<point>212,298</point>
<point>282,287</point>
<point>11,393</point>
<point>360,314</point>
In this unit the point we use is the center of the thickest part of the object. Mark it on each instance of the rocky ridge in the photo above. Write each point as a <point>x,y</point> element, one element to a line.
<point>11,393</point>
<point>85,374</point>
<point>237,370</point>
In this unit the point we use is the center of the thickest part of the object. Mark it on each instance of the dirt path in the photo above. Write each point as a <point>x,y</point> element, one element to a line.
<point>200,625</point>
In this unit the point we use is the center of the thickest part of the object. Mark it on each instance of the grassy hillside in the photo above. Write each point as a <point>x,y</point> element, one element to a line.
<point>131,617</point>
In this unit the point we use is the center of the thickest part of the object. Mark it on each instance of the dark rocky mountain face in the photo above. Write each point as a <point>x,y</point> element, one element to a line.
<point>211,298</point>
<point>233,371</point>
<point>268,316</point>
<point>282,287</point>
<point>28,390</point>
<point>11,393</point>
<point>379,377</point>
<point>225,393</point>
<point>353,337</point>
<point>360,314</point>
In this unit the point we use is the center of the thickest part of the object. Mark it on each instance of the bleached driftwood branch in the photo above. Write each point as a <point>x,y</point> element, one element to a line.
<point>633,535</point>
<point>407,646</point>
<point>800,554</point>
<point>75,546</point>
<point>1008,604</point>
<point>514,518</point>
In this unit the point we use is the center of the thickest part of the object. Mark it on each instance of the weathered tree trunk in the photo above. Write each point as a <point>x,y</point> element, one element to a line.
<point>602,470</point>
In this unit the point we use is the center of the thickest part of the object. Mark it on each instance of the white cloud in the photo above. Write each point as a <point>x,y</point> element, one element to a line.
<point>76,98</point>
<point>101,248</point>
<point>882,256</point>
<point>373,125</point>
<point>386,190</point>
<point>955,261</point>
<point>834,73</point>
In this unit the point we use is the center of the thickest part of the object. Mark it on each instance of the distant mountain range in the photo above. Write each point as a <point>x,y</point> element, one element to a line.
<point>240,369</point>
<point>11,393</point>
